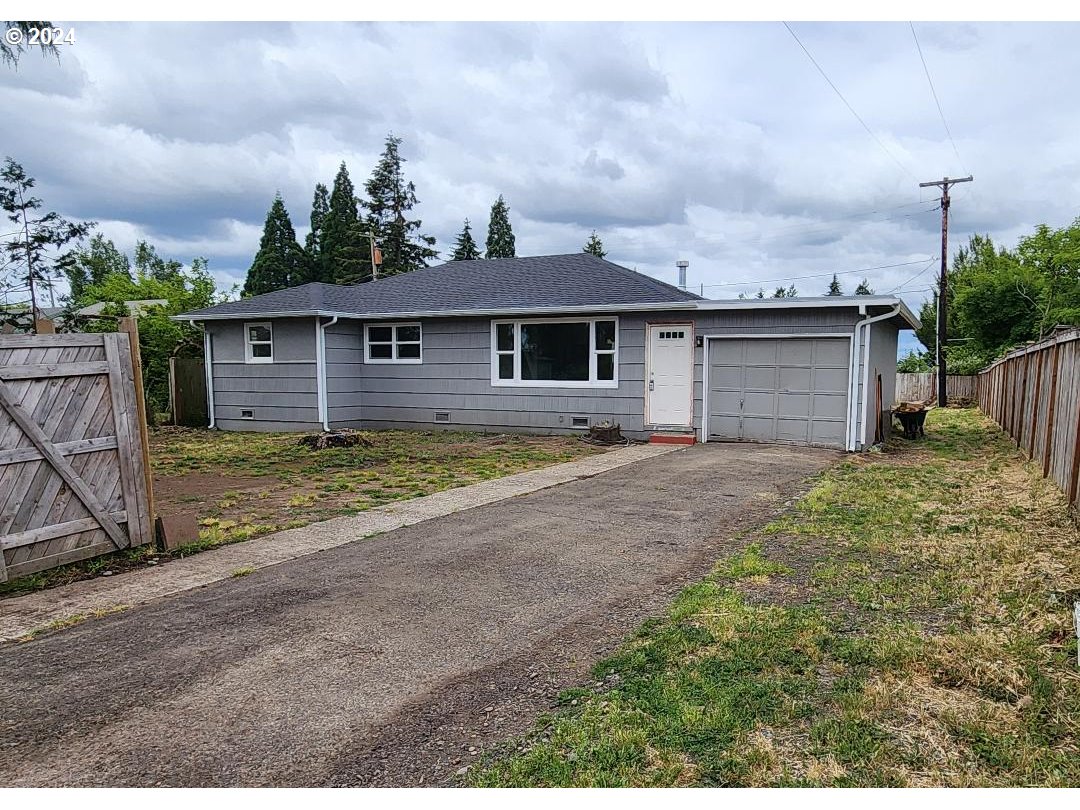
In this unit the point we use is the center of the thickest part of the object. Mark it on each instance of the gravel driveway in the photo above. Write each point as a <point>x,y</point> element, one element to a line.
<point>395,660</point>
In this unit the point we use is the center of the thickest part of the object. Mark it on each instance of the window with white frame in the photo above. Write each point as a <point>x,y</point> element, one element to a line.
<point>393,343</point>
<point>570,353</point>
<point>259,342</point>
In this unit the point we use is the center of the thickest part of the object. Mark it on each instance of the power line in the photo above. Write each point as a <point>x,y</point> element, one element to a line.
<point>901,286</point>
<point>858,117</point>
<point>937,102</point>
<point>815,275</point>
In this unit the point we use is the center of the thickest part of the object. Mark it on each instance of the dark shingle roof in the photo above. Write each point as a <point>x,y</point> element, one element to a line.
<point>540,282</point>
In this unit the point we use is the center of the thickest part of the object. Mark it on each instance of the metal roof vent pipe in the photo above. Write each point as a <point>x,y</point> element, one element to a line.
<point>682,264</point>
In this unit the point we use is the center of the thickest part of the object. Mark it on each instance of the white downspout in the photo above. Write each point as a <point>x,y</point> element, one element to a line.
<point>320,369</point>
<point>208,366</point>
<point>865,360</point>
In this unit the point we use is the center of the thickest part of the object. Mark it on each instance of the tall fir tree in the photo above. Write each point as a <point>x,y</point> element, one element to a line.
<point>465,248</point>
<point>314,241</point>
<point>280,262</point>
<point>834,286</point>
<point>864,288</point>
<point>595,246</point>
<point>346,253</point>
<point>389,200</point>
<point>500,237</point>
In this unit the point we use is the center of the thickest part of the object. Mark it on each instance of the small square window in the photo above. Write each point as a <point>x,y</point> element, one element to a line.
<point>410,351</point>
<point>381,351</point>
<point>408,334</point>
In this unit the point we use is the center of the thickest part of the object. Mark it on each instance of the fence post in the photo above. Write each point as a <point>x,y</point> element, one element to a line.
<point>1051,411</point>
<point>131,327</point>
<point>1035,402</point>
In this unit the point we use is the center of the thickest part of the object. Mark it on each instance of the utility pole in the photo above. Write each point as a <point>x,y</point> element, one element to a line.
<point>943,282</point>
<point>374,264</point>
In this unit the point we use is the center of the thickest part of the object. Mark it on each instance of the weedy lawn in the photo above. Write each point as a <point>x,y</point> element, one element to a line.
<point>242,485</point>
<point>908,622</point>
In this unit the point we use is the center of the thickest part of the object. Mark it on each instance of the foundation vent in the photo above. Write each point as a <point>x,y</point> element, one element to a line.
<point>579,421</point>
<point>246,414</point>
<point>442,416</point>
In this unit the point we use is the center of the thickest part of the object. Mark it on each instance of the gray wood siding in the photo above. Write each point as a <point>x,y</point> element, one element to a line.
<point>283,395</point>
<point>883,342</point>
<point>344,371</point>
<point>455,376</point>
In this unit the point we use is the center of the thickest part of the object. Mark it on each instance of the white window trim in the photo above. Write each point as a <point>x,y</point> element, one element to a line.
<point>248,356</point>
<point>517,382</point>
<point>393,343</point>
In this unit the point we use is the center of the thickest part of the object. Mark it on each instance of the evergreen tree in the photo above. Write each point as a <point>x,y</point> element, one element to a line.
<point>465,248</point>
<point>760,292</point>
<point>346,251</point>
<point>34,256</point>
<point>280,262</point>
<point>595,246</point>
<point>834,286</point>
<point>785,292</point>
<point>313,242</point>
<point>389,201</point>
<point>864,288</point>
<point>500,238</point>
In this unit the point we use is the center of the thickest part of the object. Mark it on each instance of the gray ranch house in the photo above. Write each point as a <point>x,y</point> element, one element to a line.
<point>552,344</point>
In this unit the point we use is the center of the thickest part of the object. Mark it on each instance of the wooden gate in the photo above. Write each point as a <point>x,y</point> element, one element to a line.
<point>72,467</point>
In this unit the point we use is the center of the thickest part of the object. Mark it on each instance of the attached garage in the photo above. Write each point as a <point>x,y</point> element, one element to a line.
<point>779,389</point>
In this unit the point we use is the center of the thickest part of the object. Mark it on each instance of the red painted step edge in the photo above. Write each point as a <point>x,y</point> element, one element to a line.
<point>660,438</point>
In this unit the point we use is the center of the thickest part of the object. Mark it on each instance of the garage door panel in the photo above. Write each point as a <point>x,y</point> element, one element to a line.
<point>759,403</point>
<point>759,428</point>
<point>796,352</point>
<point>729,377</point>
<point>792,378</point>
<point>770,389</point>
<point>793,405</point>
<point>724,426</point>
<point>829,434</point>
<point>793,430</point>
<point>759,378</point>
<point>830,379</point>
<point>830,406</point>
<point>834,353</point>
<point>725,402</point>
<point>760,352</point>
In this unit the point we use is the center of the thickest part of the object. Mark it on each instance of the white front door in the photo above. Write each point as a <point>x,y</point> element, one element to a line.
<point>670,370</point>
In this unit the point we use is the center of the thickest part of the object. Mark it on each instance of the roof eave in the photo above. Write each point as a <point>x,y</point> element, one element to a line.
<point>754,303</point>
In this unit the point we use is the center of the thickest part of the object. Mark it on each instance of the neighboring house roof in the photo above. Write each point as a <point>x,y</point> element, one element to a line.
<point>576,280</point>
<point>136,308</point>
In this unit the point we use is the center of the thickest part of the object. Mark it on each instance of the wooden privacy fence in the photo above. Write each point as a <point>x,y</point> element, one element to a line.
<point>1034,394</point>
<point>922,387</point>
<point>73,460</point>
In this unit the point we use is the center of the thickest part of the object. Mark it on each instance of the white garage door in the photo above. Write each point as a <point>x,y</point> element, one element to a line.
<point>779,390</point>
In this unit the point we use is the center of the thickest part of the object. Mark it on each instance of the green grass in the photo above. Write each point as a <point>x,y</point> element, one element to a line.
<point>928,642</point>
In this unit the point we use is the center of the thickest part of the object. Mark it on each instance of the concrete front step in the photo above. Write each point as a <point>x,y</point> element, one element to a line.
<point>671,437</point>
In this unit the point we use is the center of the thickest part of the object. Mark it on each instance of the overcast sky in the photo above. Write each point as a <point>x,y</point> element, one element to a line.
<point>719,143</point>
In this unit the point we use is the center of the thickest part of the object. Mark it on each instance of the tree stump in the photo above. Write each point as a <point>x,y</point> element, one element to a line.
<point>334,438</point>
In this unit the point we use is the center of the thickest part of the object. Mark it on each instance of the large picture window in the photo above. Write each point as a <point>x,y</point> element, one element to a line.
<point>393,343</point>
<point>571,353</point>
<point>259,342</point>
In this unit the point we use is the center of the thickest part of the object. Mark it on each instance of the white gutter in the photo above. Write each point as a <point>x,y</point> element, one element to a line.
<point>320,369</point>
<point>853,404</point>
<point>208,365</point>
